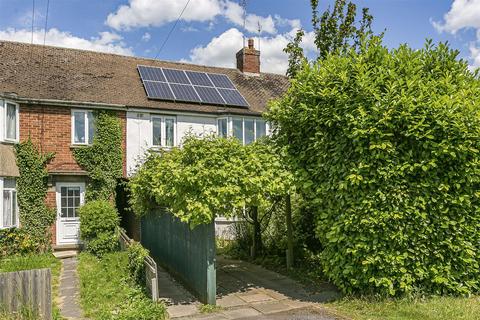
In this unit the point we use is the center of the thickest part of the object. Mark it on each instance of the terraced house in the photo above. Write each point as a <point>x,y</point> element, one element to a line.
<point>49,95</point>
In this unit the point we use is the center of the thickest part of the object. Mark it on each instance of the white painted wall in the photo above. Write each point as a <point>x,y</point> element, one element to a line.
<point>2,120</point>
<point>139,132</point>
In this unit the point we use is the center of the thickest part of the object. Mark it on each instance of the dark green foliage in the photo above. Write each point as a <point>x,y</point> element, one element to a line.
<point>295,53</point>
<point>136,257</point>
<point>35,216</point>
<point>386,147</point>
<point>99,226</point>
<point>103,160</point>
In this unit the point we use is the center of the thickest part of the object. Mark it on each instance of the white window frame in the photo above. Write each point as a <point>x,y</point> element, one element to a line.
<point>255,119</point>
<point>163,131</point>
<point>17,121</point>
<point>87,126</point>
<point>17,220</point>
<point>218,126</point>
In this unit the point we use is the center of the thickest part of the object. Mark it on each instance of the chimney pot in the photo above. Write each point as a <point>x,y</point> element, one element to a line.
<point>248,59</point>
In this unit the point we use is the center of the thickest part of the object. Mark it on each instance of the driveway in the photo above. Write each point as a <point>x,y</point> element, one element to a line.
<point>248,291</point>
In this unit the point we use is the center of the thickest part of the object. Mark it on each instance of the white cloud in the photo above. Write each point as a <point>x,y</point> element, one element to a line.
<point>221,50</point>
<point>143,13</point>
<point>105,42</point>
<point>146,13</point>
<point>462,14</point>
<point>146,37</point>
<point>235,14</point>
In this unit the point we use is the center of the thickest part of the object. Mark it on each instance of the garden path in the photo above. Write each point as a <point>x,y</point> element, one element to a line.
<point>245,290</point>
<point>69,290</point>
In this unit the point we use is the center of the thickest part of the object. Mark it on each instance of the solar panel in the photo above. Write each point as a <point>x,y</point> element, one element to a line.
<point>159,90</point>
<point>209,95</point>
<point>233,97</point>
<point>221,81</point>
<point>175,76</point>
<point>199,78</point>
<point>184,92</point>
<point>151,73</point>
<point>190,86</point>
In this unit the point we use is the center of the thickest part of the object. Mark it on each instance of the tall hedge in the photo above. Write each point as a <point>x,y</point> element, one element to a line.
<point>386,146</point>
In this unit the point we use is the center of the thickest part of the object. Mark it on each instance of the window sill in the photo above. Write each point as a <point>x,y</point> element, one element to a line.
<point>78,146</point>
<point>6,228</point>
<point>9,141</point>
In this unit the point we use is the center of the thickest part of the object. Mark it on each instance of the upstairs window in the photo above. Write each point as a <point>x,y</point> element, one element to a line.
<point>9,207</point>
<point>11,121</point>
<point>83,127</point>
<point>163,131</point>
<point>248,130</point>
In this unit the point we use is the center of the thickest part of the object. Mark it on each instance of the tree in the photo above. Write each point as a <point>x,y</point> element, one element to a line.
<point>210,177</point>
<point>386,149</point>
<point>335,32</point>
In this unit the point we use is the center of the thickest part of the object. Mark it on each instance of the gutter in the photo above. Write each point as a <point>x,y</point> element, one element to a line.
<point>119,107</point>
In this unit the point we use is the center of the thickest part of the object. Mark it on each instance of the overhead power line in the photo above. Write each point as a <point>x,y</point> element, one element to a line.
<point>171,30</point>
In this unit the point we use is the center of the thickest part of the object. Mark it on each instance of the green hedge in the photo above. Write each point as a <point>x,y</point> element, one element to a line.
<point>386,146</point>
<point>99,222</point>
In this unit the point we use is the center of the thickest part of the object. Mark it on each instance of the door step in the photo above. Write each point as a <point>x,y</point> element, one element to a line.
<point>65,254</point>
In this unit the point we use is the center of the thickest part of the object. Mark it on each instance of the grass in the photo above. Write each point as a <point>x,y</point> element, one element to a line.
<point>28,262</point>
<point>433,308</point>
<point>208,308</point>
<point>108,292</point>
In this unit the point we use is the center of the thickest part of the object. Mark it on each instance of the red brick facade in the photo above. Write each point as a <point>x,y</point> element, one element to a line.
<point>49,127</point>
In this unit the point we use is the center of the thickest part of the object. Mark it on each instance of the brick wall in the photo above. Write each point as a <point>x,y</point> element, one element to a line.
<point>50,129</point>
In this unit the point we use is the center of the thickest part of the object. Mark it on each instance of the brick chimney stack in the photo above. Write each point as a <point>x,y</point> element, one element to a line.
<point>248,59</point>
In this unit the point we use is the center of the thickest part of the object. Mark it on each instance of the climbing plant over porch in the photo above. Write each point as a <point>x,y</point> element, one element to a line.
<point>210,177</point>
<point>35,216</point>
<point>103,160</point>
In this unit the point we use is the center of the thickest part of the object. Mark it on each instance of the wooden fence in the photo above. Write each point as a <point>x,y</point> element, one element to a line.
<point>151,271</point>
<point>29,289</point>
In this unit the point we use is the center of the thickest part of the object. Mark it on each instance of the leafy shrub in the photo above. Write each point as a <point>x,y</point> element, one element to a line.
<point>386,146</point>
<point>136,256</point>
<point>18,241</point>
<point>99,226</point>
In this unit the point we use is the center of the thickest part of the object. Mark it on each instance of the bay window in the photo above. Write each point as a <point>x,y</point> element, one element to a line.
<point>247,130</point>
<point>11,121</point>
<point>222,125</point>
<point>83,127</point>
<point>8,203</point>
<point>163,131</point>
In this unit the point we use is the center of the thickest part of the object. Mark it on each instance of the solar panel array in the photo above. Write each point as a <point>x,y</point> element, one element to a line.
<point>190,86</point>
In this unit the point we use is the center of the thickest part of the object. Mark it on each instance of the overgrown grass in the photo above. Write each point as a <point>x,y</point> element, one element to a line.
<point>29,262</point>
<point>433,308</point>
<point>108,292</point>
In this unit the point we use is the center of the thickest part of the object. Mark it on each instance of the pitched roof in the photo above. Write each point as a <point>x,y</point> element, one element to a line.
<point>44,72</point>
<point>8,162</point>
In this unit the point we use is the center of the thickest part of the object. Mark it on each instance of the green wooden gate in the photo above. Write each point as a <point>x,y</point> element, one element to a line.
<point>189,254</point>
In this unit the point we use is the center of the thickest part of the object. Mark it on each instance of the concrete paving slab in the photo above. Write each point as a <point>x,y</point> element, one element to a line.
<point>184,310</point>
<point>240,313</point>
<point>230,301</point>
<point>251,297</point>
<point>271,307</point>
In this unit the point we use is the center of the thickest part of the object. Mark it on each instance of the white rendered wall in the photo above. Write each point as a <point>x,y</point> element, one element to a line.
<point>139,133</point>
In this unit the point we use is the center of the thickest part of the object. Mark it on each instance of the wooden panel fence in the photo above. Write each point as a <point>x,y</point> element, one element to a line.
<point>29,289</point>
<point>151,271</point>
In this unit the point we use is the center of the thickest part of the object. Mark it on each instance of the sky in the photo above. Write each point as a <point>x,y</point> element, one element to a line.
<point>210,32</point>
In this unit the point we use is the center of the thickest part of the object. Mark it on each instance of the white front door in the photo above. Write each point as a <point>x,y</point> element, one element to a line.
<point>70,196</point>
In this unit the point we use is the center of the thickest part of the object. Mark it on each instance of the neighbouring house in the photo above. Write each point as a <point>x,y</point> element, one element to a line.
<point>48,94</point>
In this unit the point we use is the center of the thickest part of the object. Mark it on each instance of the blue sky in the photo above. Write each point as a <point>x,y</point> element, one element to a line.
<point>211,31</point>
